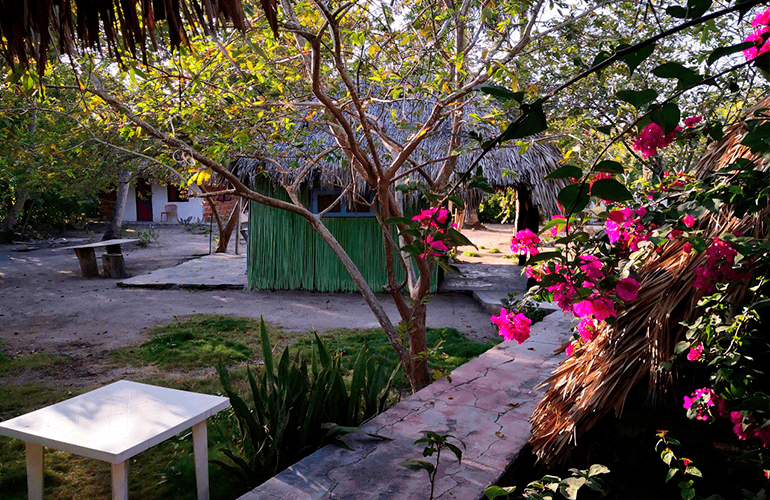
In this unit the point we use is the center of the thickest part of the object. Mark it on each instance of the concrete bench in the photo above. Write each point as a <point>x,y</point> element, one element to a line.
<point>112,261</point>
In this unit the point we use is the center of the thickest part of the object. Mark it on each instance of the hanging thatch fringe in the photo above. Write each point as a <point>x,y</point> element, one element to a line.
<point>587,386</point>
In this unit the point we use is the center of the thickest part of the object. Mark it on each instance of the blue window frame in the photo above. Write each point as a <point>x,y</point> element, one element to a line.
<point>321,199</point>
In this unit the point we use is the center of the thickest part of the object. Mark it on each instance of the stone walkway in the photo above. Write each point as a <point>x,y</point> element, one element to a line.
<point>485,403</point>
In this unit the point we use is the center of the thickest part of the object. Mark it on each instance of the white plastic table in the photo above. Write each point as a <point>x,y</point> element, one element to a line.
<point>113,424</point>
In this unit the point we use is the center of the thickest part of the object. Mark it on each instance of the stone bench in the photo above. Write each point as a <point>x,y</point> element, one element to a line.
<point>112,261</point>
<point>486,403</point>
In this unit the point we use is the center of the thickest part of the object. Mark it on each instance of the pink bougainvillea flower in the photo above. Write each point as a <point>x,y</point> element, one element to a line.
<point>587,329</point>
<point>695,352</point>
<point>627,289</point>
<point>570,350</point>
<point>600,308</point>
<point>686,462</point>
<point>555,230</point>
<point>687,248</point>
<point>674,234</point>
<point>759,47</point>
<point>512,326</point>
<point>651,138</point>
<point>592,266</point>
<point>432,217</point>
<point>705,401</point>
<point>525,241</point>
<point>688,220</point>
<point>692,121</point>
<point>435,247</point>
<point>762,18</point>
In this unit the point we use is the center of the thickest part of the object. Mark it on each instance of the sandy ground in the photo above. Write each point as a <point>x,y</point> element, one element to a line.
<point>47,306</point>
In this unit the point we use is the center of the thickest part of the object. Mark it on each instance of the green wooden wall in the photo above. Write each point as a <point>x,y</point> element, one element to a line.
<point>285,253</point>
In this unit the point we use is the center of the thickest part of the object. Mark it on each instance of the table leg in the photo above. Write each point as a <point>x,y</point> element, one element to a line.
<point>201,451</point>
<point>120,481</point>
<point>35,462</point>
<point>87,258</point>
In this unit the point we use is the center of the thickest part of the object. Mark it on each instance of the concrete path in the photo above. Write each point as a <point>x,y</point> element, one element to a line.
<point>486,404</point>
<point>215,271</point>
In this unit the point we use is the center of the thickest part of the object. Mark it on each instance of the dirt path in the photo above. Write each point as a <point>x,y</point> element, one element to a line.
<point>47,306</point>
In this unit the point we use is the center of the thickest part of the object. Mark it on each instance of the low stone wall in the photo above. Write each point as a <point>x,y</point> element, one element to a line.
<point>485,403</point>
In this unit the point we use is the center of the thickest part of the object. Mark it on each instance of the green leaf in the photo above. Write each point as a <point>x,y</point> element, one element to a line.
<point>596,469</point>
<point>637,99</point>
<point>502,93</point>
<point>602,56</point>
<point>610,167</point>
<point>695,8</point>
<point>634,59</point>
<point>496,491</point>
<point>574,198</point>
<point>693,471</point>
<point>531,122</point>
<point>671,473</point>
<point>673,70</point>
<point>610,190</point>
<point>416,464</point>
<point>570,486</point>
<point>539,257</point>
<point>457,238</point>
<point>720,52</point>
<point>667,116</point>
<point>565,172</point>
<point>604,129</point>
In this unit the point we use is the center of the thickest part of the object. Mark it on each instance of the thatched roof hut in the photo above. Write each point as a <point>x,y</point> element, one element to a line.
<point>508,166</point>
<point>588,386</point>
<point>324,172</point>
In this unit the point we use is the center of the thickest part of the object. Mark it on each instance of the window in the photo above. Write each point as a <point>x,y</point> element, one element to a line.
<point>321,199</point>
<point>176,193</point>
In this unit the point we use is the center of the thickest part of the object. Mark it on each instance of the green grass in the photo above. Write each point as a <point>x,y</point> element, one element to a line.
<point>493,250</point>
<point>181,355</point>
<point>470,253</point>
<point>510,256</point>
<point>198,341</point>
<point>15,364</point>
<point>448,348</point>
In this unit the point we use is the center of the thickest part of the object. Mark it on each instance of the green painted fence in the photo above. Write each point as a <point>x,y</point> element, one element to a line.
<point>286,254</point>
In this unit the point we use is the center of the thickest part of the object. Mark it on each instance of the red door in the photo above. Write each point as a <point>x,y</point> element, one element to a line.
<point>143,200</point>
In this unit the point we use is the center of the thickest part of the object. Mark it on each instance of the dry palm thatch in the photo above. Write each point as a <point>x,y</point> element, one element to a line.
<point>503,167</point>
<point>587,386</point>
<point>27,26</point>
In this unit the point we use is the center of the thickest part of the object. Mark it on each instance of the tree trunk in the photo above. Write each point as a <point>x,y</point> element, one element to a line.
<point>15,210</point>
<point>118,212</point>
<point>527,215</point>
<point>227,232</point>
<point>416,367</point>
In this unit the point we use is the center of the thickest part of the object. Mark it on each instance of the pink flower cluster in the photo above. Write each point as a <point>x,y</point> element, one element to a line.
<point>625,225</point>
<point>651,138</point>
<point>512,326</point>
<point>718,268</point>
<point>762,24</point>
<point>432,217</point>
<point>707,404</point>
<point>695,352</point>
<point>435,220</point>
<point>748,429</point>
<point>525,241</point>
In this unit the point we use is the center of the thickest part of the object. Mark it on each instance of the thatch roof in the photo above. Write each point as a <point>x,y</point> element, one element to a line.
<point>589,385</point>
<point>504,167</point>
<point>27,26</point>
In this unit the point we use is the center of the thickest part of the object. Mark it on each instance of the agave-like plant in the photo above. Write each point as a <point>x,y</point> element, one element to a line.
<point>298,408</point>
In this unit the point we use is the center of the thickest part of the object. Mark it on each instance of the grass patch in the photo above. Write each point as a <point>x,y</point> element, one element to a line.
<point>198,341</point>
<point>493,250</point>
<point>448,348</point>
<point>470,253</point>
<point>510,256</point>
<point>12,365</point>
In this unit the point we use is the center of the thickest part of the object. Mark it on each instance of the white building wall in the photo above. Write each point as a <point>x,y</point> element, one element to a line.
<point>190,208</point>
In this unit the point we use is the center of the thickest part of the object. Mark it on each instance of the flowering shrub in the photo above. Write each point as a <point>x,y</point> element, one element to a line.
<point>762,44</point>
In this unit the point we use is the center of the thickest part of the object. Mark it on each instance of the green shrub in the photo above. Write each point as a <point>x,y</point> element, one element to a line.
<point>499,208</point>
<point>299,407</point>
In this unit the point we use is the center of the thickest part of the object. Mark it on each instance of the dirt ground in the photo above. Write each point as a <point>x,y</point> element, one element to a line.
<point>47,306</point>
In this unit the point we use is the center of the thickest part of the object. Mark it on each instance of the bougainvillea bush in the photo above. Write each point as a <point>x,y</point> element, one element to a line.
<point>716,218</point>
